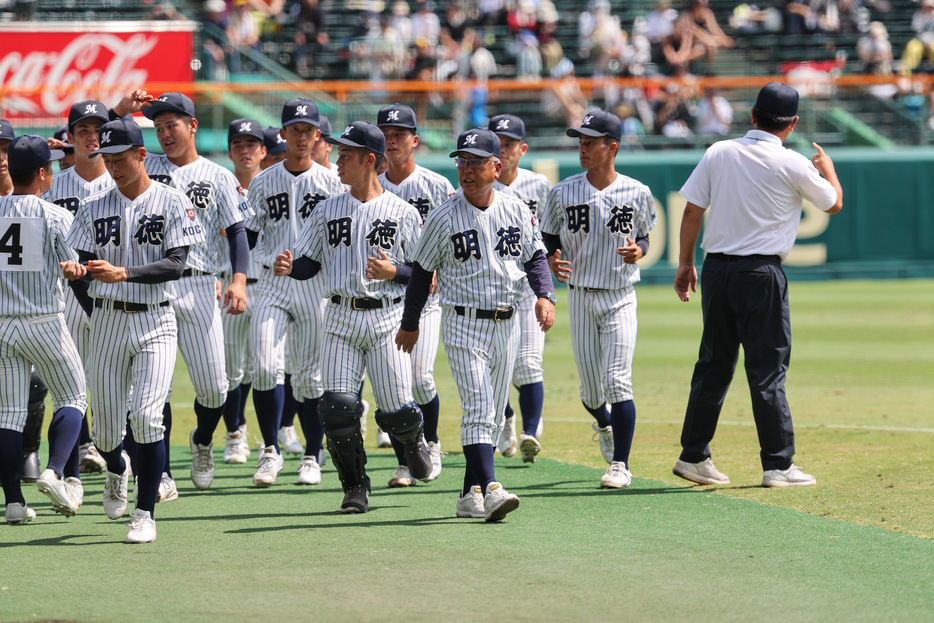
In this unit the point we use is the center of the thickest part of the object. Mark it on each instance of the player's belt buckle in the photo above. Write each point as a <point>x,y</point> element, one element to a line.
<point>362,302</point>
<point>126,310</point>
<point>502,313</point>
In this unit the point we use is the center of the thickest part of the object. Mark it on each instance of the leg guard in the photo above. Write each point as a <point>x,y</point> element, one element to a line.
<point>406,426</point>
<point>340,416</point>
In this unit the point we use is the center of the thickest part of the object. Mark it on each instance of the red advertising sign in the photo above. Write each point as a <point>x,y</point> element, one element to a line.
<point>45,69</point>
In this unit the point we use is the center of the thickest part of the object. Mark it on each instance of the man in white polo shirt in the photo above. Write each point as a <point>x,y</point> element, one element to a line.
<point>753,189</point>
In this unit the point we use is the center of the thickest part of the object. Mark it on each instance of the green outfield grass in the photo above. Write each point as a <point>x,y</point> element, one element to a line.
<point>860,390</point>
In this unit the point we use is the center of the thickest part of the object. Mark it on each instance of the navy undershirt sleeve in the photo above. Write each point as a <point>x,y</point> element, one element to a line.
<point>403,274</point>
<point>552,243</point>
<point>416,295</point>
<point>304,268</point>
<point>252,237</point>
<point>168,268</point>
<point>643,243</point>
<point>536,271</point>
<point>239,248</point>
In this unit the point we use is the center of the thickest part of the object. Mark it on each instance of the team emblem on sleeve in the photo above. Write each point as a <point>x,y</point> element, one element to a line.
<point>339,231</point>
<point>509,243</point>
<point>578,218</point>
<point>620,219</point>
<point>151,229</point>
<point>466,245</point>
<point>383,233</point>
<point>107,230</point>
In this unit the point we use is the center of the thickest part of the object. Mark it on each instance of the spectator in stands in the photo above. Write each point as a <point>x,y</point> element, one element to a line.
<point>311,36</point>
<point>799,18</point>
<point>423,68</point>
<point>597,29</point>
<point>455,21</point>
<point>707,31</point>
<point>631,128</point>
<point>875,55</point>
<point>386,52</point>
<point>367,22</point>
<point>242,32</point>
<point>922,45</point>
<point>548,45</point>
<point>426,25</point>
<point>400,21</point>
<point>565,102</point>
<point>681,48</point>
<point>659,26</point>
<point>714,113</point>
<point>24,10</point>
<point>164,12</point>
<point>523,24</point>
<point>491,12</point>
<point>673,115</point>
<point>214,24</point>
<point>836,16</point>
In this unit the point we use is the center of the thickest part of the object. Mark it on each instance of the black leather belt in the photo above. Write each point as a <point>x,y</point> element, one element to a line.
<point>773,259</point>
<point>194,272</point>
<point>572,287</point>
<point>359,303</point>
<point>503,313</point>
<point>125,306</point>
<point>249,281</point>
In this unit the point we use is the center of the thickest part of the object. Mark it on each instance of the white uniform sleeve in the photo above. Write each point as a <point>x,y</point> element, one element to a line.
<point>697,187</point>
<point>433,239</point>
<point>552,215</point>
<point>311,241</point>
<point>815,188</point>
<point>79,233</point>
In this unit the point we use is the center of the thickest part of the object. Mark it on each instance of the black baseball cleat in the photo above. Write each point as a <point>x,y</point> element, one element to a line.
<point>356,501</point>
<point>418,456</point>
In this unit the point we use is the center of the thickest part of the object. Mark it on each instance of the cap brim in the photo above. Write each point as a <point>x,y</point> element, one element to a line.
<point>473,152</point>
<point>102,117</point>
<point>349,143</point>
<point>518,137</point>
<point>308,121</point>
<point>113,149</point>
<point>261,139</point>
<point>575,132</point>
<point>157,108</point>
<point>388,124</point>
<point>56,154</point>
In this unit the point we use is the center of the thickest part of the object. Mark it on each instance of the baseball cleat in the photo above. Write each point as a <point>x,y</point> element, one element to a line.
<point>270,463</point>
<point>244,443</point>
<point>168,491</point>
<point>53,485</point>
<point>142,528</point>
<point>540,428</point>
<point>470,506</point>
<point>605,437</point>
<point>288,441</point>
<point>616,476</point>
<point>17,513</point>
<point>703,473</point>
<point>529,448</point>
<point>790,477</point>
<point>382,439</point>
<point>402,478</point>
<point>309,473</point>
<point>497,502</point>
<point>75,490</point>
<point>202,463</point>
<point>508,445</point>
<point>434,447</point>
<point>90,461</point>
<point>232,446</point>
<point>115,491</point>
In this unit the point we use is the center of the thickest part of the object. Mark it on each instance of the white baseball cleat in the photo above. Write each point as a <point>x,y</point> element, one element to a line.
<point>508,444</point>
<point>703,473</point>
<point>616,476</point>
<point>269,466</point>
<point>309,472</point>
<point>497,502</point>
<point>142,528</point>
<point>90,460</point>
<point>115,491</point>
<point>471,505</point>
<point>402,478</point>
<point>434,448</point>
<point>75,490</point>
<point>202,463</point>
<point>168,491</point>
<point>288,441</point>
<point>605,437</point>
<point>53,485</point>
<point>17,513</point>
<point>529,448</point>
<point>382,439</point>
<point>790,477</point>
<point>232,448</point>
<point>244,443</point>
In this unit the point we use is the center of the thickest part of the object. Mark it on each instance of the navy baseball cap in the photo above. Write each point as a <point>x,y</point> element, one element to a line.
<point>245,127</point>
<point>273,141</point>
<point>324,125</point>
<point>361,134</point>
<point>85,110</point>
<point>300,111</point>
<point>170,102</point>
<point>598,123</point>
<point>119,136</point>
<point>779,99</point>
<point>6,130</point>
<point>398,115</point>
<point>508,125</point>
<point>30,151</point>
<point>479,142</point>
<point>61,134</point>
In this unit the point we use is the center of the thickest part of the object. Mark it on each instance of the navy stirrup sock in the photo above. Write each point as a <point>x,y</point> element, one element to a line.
<point>430,415</point>
<point>208,419</point>
<point>531,400</point>
<point>268,406</point>
<point>11,465</point>
<point>167,422</point>
<point>623,415</point>
<point>599,414</point>
<point>311,427</point>
<point>64,430</point>
<point>151,457</point>
<point>232,410</point>
<point>479,458</point>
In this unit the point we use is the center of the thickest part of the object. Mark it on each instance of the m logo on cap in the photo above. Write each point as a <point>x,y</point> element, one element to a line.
<point>502,124</point>
<point>301,111</point>
<point>393,115</point>
<point>587,120</point>
<point>105,137</point>
<point>90,109</point>
<point>164,98</point>
<point>246,127</point>
<point>347,130</point>
<point>470,139</point>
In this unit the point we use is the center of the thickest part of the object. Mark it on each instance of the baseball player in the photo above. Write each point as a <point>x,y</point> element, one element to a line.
<point>424,190</point>
<point>482,246</point>
<point>362,240</point>
<point>132,240</point>
<point>275,147</point>
<point>600,221</point>
<point>32,328</point>
<point>88,177</point>
<point>61,142</point>
<point>528,377</point>
<point>220,203</point>
<point>246,149</point>
<point>6,137</point>
<point>284,197</point>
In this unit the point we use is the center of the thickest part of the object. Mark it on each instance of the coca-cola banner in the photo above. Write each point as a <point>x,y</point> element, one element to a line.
<point>46,67</point>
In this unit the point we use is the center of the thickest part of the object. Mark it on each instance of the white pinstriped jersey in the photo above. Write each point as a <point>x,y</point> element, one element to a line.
<point>217,197</point>
<point>135,233</point>
<point>593,224</point>
<point>282,203</point>
<point>32,243</point>
<point>529,186</point>
<point>479,255</point>
<point>424,189</point>
<point>68,188</point>
<point>343,232</point>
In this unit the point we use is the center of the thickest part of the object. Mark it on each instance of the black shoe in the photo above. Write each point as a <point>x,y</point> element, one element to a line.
<point>356,500</point>
<point>31,467</point>
<point>418,456</point>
